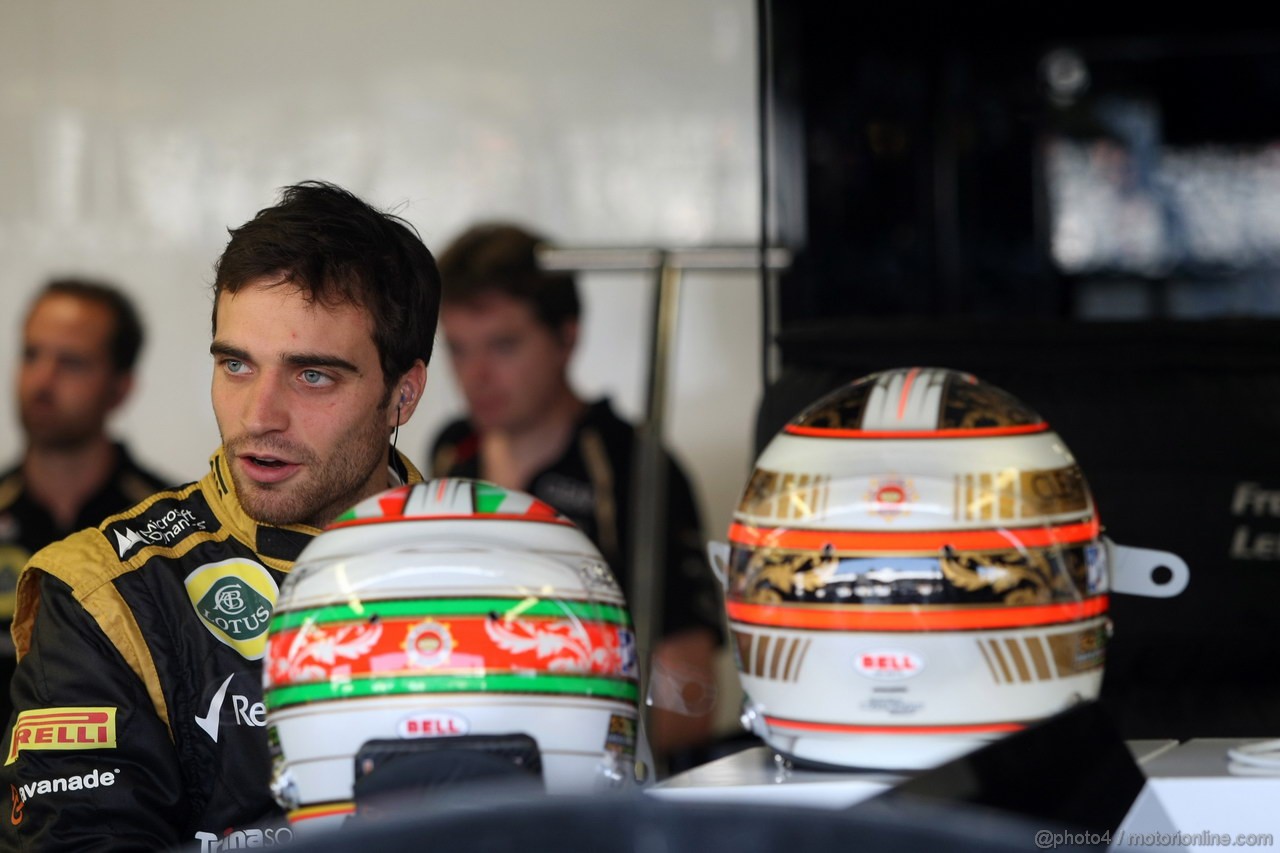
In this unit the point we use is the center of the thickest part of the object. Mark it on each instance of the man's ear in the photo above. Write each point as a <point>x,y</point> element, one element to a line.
<point>406,394</point>
<point>569,334</point>
<point>121,388</point>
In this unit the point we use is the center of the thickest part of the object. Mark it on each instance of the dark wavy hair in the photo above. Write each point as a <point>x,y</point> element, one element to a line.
<point>127,335</point>
<point>339,250</point>
<point>501,257</point>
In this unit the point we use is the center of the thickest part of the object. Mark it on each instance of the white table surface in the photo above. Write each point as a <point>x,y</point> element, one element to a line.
<point>1191,793</point>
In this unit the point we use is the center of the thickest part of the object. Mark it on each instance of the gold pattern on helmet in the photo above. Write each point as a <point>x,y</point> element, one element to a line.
<point>967,403</point>
<point>915,565</point>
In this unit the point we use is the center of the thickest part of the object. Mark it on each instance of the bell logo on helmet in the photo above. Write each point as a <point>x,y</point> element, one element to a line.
<point>888,664</point>
<point>234,599</point>
<point>433,725</point>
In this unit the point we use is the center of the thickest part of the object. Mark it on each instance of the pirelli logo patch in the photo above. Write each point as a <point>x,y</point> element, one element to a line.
<point>63,728</point>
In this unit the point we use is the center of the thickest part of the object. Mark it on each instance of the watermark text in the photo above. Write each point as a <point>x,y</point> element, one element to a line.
<point>1052,839</point>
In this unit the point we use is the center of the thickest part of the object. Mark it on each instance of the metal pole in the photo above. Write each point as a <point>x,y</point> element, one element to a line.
<point>649,475</point>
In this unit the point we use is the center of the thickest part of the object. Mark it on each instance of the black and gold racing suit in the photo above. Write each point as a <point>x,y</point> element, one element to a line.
<point>139,721</point>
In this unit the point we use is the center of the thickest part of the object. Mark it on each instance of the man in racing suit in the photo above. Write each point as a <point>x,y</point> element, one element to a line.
<point>139,719</point>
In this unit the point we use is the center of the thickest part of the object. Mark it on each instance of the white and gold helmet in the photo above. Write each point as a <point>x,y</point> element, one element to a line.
<point>916,566</point>
<point>448,609</point>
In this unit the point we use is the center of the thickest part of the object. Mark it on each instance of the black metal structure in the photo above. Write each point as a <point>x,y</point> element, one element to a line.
<point>1079,210</point>
<point>916,163</point>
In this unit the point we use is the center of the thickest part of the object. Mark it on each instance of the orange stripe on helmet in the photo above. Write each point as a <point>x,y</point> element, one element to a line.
<point>322,810</point>
<point>908,617</point>
<point>842,728</point>
<point>913,541</point>
<point>906,391</point>
<point>392,503</point>
<point>950,432</point>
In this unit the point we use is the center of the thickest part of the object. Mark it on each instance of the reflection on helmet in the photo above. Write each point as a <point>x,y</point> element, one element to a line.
<point>915,567</point>
<point>445,609</point>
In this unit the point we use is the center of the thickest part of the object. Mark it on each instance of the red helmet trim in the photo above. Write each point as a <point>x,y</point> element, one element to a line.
<point>913,541</point>
<point>356,522</point>
<point>977,728</point>
<point>908,617</point>
<point>951,432</point>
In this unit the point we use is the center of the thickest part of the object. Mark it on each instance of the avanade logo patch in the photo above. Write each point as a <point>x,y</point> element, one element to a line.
<point>75,782</point>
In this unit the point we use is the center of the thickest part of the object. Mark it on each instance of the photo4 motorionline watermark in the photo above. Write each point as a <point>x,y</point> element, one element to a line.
<point>1050,839</point>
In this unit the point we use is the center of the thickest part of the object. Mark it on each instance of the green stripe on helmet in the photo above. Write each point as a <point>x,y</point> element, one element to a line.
<point>538,683</point>
<point>489,497</point>
<point>444,607</point>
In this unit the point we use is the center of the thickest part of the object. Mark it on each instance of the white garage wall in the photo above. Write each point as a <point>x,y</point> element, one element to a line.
<point>134,132</point>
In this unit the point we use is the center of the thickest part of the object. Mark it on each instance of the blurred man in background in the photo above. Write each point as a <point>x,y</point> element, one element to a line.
<point>80,342</point>
<point>511,329</point>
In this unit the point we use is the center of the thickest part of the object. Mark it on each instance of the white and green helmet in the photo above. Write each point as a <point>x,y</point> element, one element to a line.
<point>450,607</point>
